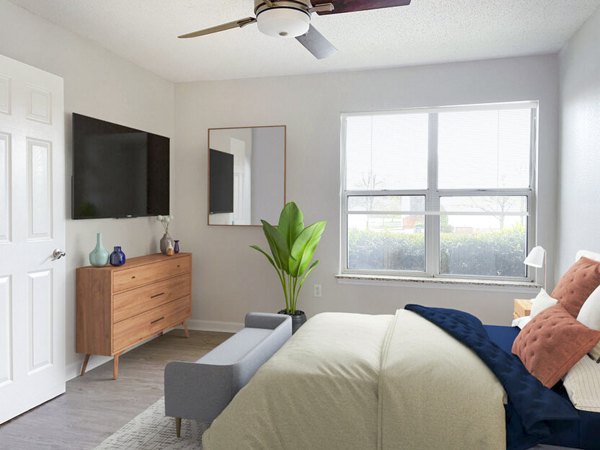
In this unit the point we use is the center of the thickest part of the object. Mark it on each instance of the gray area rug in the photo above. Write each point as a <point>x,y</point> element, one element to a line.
<point>152,430</point>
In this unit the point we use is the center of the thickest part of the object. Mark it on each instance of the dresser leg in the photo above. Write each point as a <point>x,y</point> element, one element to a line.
<point>85,363</point>
<point>178,426</point>
<point>116,367</point>
<point>186,332</point>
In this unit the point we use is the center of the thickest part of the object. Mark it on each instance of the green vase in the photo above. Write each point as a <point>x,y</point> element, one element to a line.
<point>99,256</point>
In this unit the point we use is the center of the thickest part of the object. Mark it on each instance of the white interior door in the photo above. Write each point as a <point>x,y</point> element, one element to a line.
<point>32,226</point>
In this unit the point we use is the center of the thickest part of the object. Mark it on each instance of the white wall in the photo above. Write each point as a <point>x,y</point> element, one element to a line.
<point>580,144</point>
<point>99,84</point>
<point>230,279</point>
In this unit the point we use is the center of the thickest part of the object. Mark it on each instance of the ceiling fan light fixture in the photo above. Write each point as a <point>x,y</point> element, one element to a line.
<point>283,22</point>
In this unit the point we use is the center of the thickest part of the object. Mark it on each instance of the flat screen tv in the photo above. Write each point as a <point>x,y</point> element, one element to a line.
<point>118,171</point>
<point>221,182</point>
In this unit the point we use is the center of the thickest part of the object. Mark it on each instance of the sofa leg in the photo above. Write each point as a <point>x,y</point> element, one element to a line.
<point>178,426</point>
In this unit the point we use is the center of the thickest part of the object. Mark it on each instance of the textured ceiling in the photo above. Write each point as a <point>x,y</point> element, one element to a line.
<point>427,31</point>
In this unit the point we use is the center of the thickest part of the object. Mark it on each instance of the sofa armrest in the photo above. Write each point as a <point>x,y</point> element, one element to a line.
<point>197,391</point>
<point>268,321</point>
<point>247,367</point>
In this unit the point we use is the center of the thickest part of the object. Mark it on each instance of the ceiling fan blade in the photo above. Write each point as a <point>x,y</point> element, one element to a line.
<point>316,43</point>
<point>343,6</point>
<point>226,26</point>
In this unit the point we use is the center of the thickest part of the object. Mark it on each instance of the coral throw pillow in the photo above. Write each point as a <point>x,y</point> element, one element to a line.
<point>552,343</point>
<point>576,285</point>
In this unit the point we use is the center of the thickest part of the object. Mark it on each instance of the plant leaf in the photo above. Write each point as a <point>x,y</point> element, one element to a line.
<point>291,223</point>
<point>258,249</point>
<point>308,271</point>
<point>272,246</point>
<point>278,245</point>
<point>304,247</point>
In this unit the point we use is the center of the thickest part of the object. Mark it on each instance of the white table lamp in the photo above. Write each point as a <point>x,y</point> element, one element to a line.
<point>537,259</point>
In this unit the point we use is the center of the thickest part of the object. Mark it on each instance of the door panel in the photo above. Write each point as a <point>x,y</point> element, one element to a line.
<point>40,105</point>
<point>5,331</point>
<point>5,218</point>
<point>40,319</point>
<point>32,225</point>
<point>39,171</point>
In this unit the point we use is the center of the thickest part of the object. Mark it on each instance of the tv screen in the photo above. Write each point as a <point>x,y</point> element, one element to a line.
<point>221,182</point>
<point>118,171</point>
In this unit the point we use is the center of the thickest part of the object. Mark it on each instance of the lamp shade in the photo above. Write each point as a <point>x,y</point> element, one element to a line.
<point>535,257</point>
<point>283,22</point>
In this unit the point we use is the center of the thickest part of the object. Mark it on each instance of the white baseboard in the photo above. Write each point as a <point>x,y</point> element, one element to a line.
<point>209,325</point>
<point>73,369</point>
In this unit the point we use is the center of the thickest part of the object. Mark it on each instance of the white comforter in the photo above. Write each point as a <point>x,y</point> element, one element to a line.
<point>354,381</point>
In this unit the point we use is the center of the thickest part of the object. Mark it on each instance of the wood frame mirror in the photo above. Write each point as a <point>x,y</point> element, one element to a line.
<point>246,175</point>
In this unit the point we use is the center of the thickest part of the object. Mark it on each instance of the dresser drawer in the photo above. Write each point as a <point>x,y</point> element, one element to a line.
<point>133,302</point>
<point>138,276</point>
<point>135,329</point>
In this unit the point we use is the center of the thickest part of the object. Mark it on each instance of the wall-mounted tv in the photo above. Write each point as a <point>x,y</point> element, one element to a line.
<point>118,171</point>
<point>221,182</point>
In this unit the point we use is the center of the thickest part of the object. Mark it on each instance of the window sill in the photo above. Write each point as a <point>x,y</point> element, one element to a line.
<point>440,283</point>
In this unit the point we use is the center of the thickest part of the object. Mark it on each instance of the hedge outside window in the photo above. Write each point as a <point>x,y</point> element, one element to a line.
<point>444,192</point>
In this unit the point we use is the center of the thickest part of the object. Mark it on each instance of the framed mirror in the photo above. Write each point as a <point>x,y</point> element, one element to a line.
<point>246,174</point>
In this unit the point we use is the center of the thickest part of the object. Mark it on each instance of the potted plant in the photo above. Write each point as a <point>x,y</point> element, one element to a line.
<point>292,248</point>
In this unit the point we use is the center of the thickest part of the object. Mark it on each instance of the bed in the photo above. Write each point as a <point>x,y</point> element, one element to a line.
<point>353,381</point>
<point>424,378</point>
<point>583,433</point>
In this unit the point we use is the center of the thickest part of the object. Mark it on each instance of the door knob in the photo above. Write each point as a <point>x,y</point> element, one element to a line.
<point>57,254</point>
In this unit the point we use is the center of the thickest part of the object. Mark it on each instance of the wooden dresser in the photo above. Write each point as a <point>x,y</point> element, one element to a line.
<point>118,307</point>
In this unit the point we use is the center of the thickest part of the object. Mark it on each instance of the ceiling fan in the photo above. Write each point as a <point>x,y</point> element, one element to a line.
<point>291,18</point>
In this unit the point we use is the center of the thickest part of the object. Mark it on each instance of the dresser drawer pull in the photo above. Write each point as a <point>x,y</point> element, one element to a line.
<point>157,320</point>
<point>157,295</point>
<point>132,277</point>
<point>178,266</point>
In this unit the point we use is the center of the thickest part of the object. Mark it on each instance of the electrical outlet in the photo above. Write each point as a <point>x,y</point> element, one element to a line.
<point>317,290</point>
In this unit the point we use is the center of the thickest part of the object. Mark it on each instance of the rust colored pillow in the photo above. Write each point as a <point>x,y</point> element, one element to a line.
<point>576,285</point>
<point>552,343</point>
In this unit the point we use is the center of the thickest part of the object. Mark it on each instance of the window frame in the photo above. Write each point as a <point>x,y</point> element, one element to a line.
<point>433,194</point>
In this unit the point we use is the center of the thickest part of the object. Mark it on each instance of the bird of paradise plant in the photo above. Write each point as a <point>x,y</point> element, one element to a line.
<point>292,248</point>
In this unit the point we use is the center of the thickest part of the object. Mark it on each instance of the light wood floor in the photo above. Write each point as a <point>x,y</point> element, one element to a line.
<point>95,406</point>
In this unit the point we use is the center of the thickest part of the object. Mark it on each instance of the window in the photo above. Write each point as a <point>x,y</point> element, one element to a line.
<point>444,192</point>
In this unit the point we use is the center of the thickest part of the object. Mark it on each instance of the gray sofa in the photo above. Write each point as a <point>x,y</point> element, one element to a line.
<point>201,390</point>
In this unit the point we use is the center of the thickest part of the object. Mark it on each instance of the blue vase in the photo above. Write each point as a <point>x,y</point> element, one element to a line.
<point>176,246</point>
<point>117,258</point>
<point>99,256</point>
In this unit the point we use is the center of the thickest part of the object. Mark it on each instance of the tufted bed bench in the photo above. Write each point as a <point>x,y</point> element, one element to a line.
<point>201,390</point>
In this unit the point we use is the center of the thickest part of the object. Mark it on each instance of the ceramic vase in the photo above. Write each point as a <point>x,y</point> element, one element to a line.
<point>99,256</point>
<point>176,246</point>
<point>117,257</point>
<point>165,241</point>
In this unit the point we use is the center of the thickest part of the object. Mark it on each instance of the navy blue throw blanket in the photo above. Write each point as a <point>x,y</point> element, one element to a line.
<point>532,409</point>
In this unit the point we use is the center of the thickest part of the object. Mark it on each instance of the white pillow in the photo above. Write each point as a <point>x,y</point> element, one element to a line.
<point>595,353</point>
<point>521,321</point>
<point>541,302</point>
<point>583,385</point>
<point>589,315</point>
<point>588,254</point>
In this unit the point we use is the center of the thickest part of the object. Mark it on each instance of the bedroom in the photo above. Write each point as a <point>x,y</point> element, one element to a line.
<point>542,51</point>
